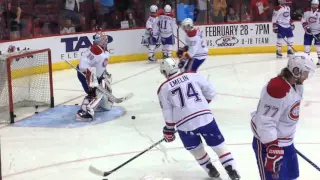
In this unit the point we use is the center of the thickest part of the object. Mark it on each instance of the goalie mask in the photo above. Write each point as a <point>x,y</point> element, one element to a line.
<point>101,39</point>
<point>301,63</point>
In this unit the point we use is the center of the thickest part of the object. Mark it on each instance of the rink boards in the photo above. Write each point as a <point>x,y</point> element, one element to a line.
<point>221,39</point>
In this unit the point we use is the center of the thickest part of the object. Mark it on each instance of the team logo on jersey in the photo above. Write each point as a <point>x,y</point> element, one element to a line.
<point>286,14</point>
<point>312,19</point>
<point>294,111</point>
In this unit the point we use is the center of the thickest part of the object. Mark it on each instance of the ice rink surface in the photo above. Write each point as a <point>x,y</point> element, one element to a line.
<point>66,153</point>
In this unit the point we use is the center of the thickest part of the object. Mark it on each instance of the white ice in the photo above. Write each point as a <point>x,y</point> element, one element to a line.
<point>63,154</point>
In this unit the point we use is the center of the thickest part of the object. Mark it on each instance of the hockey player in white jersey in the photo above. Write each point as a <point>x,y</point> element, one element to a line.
<point>93,64</point>
<point>275,121</point>
<point>195,52</point>
<point>184,99</point>
<point>166,24</point>
<point>152,32</point>
<point>283,27</point>
<point>311,25</point>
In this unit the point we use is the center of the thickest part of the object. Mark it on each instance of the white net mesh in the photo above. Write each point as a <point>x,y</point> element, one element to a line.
<point>30,79</point>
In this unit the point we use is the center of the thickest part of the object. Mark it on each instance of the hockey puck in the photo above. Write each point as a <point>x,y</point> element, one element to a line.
<point>76,104</point>
<point>133,117</point>
<point>36,112</point>
<point>36,106</point>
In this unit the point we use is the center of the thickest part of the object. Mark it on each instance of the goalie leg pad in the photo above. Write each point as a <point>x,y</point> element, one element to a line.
<point>106,103</point>
<point>83,82</point>
<point>91,77</point>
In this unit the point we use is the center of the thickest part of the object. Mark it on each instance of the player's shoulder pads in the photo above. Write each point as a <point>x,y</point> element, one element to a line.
<point>278,87</point>
<point>277,8</point>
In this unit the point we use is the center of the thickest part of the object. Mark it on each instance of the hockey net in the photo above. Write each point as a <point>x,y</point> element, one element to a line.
<point>25,81</point>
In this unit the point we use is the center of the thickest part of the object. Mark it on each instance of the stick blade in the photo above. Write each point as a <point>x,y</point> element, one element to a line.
<point>126,97</point>
<point>97,171</point>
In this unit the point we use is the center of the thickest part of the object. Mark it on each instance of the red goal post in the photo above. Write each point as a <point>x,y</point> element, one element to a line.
<point>25,81</point>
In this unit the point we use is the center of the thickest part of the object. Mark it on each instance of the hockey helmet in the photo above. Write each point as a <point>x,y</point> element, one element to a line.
<point>167,8</point>
<point>301,63</point>
<point>169,67</point>
<point>314,4</point>
<point>153,9</point>
<point>187,24</point>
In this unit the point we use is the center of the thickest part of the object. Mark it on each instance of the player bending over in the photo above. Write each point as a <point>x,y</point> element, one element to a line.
<point>311,25</point>
<point>274,123</point>
<point>152,32</point>
<point>166,25</point>
<point>93,64</point>
<point>184,99</point>
<point>195,52</point>
<point>283,27</point>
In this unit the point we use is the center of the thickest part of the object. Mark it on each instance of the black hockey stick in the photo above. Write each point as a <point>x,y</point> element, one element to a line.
<point>107,173</point>
<point>308,160</point>
<point>102,90</point>
<point>285,40</point>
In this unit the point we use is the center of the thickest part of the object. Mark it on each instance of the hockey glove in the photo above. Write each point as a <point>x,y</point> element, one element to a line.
<point>306,28</point>
<point>292,26</point>
<point>168,134</point>
<point>181,51</point>
<point>274,156</point>
<point>181,63</point>
<point>275,28</point>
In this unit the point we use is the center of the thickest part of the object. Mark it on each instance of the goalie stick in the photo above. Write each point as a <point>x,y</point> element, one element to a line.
<point>102,90</point>
<point>107,173</point>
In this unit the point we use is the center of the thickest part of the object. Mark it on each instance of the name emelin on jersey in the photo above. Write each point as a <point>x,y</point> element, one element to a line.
<point>230,30</point>
<point>179,80</point>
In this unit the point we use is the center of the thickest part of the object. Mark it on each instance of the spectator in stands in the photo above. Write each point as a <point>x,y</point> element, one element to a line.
<point>83,26</point>
<point>71,10</point>
<point>219,10</point>
<point>232,15</point>
<point>259,10</point>
<point>201,7</point>
<point>67,27</point>
<point>132,21</point>
<point>106,12</point>
<point>12,21</point>
<point>245,16</point>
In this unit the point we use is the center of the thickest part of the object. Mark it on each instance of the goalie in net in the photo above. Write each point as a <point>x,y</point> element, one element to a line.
<point>93,73</point>
<point>25,81</point>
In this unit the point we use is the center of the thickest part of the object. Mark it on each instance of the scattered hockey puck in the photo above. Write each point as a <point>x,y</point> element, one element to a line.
<point>76,104</point>
<point>36,112</point>
<point>36,106</point>
<point>133,117</point>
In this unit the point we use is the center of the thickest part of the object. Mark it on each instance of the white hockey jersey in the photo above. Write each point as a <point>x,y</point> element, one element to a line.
<point>311,18</point>
<point>184,101</point>
<point>196,45</point>
<point>166,25</point>
<point>96,57</point>
<point>281,16</point>
<point>153,24</point>
<point>277,114</point>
